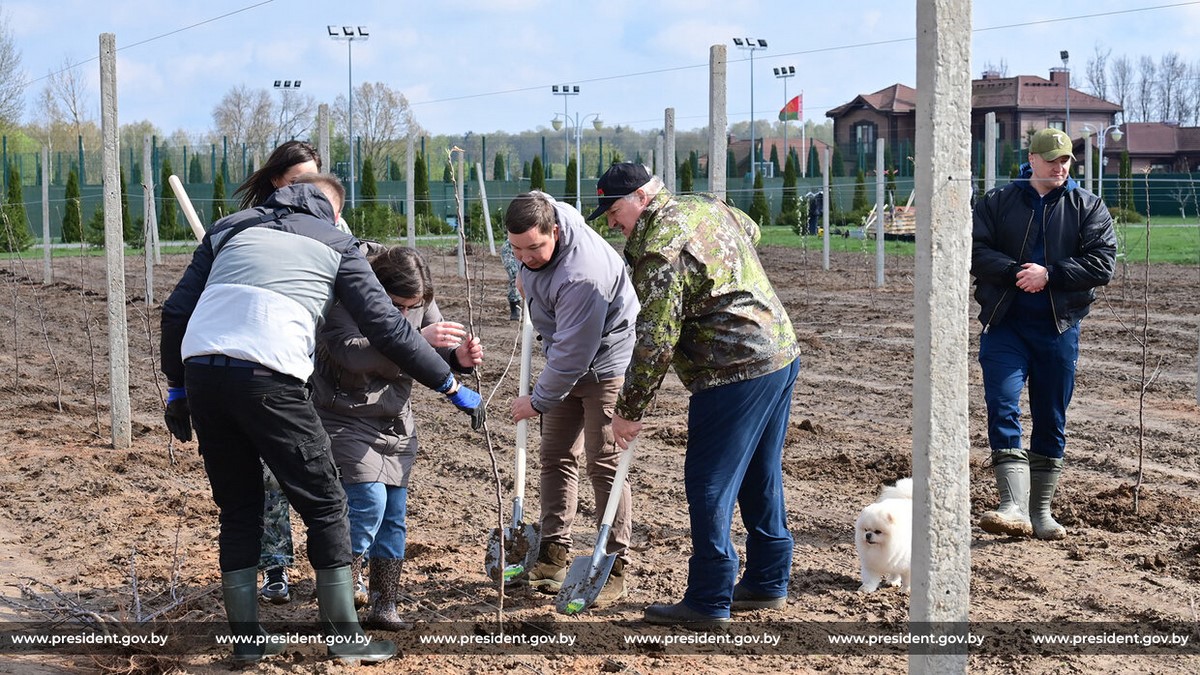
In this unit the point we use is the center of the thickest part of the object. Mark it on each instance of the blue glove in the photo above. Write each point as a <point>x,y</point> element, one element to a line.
<point>470,402</point>
<point>178,415</point>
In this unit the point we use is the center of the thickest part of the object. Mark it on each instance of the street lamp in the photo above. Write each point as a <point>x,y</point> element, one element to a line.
<point>285,87</point>
<point>751,45</point>
<point>784,74</point>
<point>1067,124</point>
<point>577,124</point>
<point>349,34</point>
<point>1117,135</point>
<point>564,91</point>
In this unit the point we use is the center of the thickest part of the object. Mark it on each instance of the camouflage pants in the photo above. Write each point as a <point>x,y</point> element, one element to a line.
<point>510,266</point>
<point>277,526</point>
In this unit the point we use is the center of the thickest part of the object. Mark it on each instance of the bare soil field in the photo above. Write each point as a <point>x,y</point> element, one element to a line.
<point>89,532</point>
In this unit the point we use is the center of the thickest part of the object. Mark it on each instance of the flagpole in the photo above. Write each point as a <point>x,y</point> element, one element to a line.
<point>784,74</point>
<point>803,149</point>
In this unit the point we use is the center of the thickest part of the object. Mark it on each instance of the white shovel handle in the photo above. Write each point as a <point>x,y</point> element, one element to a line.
<point>618,486</point>
<point>189,211</point>
<point>523,390</point>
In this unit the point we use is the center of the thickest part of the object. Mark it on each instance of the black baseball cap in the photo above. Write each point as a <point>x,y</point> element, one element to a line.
<point>622,178</point>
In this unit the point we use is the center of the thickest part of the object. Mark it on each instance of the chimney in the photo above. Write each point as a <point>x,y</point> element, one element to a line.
<point>1060,76</point>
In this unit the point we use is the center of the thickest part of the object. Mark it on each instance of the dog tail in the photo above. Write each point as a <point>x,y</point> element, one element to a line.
<point>903,489</point>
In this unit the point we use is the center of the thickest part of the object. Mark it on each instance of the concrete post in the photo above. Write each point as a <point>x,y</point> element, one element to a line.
<point>487,216</point>
<point>47,272</point>
<point>149,209</point>
<point>989,152</point>
<point>1087,162</point>
<point>668,160</point>
<point>114,247</point>
<point>880,203</point>
<point>941,562</point>
<point>323,136</point>
<point>717,120</point>
<point>826,162</point>
<point>410,191</point>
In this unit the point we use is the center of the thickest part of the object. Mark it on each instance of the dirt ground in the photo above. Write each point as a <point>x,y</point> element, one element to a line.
<point>87,530</point>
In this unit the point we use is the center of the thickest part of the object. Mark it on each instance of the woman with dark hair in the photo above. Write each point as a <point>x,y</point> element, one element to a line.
<point>289,160</point>
<point>363,399</point>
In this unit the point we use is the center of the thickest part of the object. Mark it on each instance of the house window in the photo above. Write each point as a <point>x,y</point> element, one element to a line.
<point>1060,125</point>
<point>864,144</point>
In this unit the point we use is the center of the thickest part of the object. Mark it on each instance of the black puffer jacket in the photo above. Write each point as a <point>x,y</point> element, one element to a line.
<point>1079,241</point>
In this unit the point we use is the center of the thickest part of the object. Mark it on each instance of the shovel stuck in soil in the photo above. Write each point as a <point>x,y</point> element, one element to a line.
<point>520,539</point>
<point>587,574</point>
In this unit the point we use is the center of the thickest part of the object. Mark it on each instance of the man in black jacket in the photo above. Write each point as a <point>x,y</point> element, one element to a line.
<point>1041,246</point>
<point>238,335</point>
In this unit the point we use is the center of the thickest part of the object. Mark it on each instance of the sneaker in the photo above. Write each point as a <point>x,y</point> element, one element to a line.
<point>614,589</point>
<point>550,571</point>
<point>275,586</point>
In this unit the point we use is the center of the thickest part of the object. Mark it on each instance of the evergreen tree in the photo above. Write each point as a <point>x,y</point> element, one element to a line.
<point>17,236</point>
<point>498,167</point>
<point>447,174</point>
<point>1006,157</point>
<point>219,208</point>
<point>694,160</point>
<point>760,209</point>
<point>127,231</point>
<point>814,162</point>
<point>525,169</point>
<point>473,175</point>
<point>775,160</point>
<point>424,205</point>
<point>685,178</point>
<point>537,177</point>
<point>569,189</point>
<point>731,170</point>
<point>195,171</point>
<point>838,168</point>
<point>1125,192</point>
<point>168,221</point>
<point>789,205</point>
<point>94,231</point>
<point>395,170</point>
<point>72,222</point>
<point>859,202</point>
<point>367,181</point>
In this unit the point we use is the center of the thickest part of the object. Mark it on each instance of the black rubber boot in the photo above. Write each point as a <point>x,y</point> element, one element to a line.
<point>514,311</point>
<point>335,598</point>
<point>240,590</point>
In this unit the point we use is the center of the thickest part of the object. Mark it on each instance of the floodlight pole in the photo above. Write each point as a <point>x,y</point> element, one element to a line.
<point>784,73</point>
<point>564,91</point>
<point>751,45</point>
<point>349,34</point>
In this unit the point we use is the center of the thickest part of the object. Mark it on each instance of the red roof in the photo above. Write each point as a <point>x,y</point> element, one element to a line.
<point>897,98</point>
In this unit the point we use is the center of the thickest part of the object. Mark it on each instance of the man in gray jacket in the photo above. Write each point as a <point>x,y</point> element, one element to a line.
<point>582,304</point>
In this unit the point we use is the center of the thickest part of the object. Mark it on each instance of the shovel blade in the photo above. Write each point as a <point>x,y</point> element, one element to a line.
<point>583,583</point>
<point>521,542</point>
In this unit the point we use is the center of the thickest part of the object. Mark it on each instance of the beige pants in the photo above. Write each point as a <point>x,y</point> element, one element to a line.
<point>582,423</point>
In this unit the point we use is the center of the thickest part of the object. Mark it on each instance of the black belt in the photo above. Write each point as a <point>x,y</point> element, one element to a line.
<point>221,360</point>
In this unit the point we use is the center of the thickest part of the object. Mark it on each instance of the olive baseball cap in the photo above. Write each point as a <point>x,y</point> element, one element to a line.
<point>1051,144</point>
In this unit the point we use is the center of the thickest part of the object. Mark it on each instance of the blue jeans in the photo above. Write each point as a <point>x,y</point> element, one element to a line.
<point>377,519</point>
<point>1014,352</point>
<point>735,452</point>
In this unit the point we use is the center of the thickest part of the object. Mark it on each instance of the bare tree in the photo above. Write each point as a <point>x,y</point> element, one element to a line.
<point>382,118</point>
<point>1122,84</point>
<point>66,98</point>
<point>1147,73</point>
<point>244,115</point>
<point>1171,70</point>
<point>297,113</point>
<point>1097,72</point>
<point>12,78</point>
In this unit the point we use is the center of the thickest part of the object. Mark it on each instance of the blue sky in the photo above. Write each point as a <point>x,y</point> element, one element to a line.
<point>487,65</point>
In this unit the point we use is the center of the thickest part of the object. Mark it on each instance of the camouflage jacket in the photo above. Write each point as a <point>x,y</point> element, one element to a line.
<point>707,305</point>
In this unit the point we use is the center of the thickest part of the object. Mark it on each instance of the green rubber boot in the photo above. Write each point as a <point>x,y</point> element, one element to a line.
<point>1012,482</point>
<point>348,643</point>
<point>1044,474</point>
<point>240,590</point>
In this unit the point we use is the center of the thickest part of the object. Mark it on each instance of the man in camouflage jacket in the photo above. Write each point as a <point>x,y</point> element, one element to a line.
<point>709,310</point>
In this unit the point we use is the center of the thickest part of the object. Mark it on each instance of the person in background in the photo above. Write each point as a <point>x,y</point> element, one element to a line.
<point>510,266</point>
<point>1041,245</point>
<point>709,309</point>
<point>238,336</point>
<point>582,304</point>
<point>289,160</point>
<point>364,400</point>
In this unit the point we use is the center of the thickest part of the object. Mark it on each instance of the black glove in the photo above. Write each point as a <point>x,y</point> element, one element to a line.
<point>470,402</point>
<point>177,415</point>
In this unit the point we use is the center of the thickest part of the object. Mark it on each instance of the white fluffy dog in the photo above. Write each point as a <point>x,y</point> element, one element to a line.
<point>883,537</point>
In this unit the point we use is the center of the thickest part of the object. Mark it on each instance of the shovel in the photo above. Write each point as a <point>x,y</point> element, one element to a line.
<point>587,574</point>
<point>521,540</point>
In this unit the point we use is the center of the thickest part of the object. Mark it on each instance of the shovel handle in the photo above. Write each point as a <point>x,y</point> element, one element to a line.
<point>618,486</point>
<point>523,390</point>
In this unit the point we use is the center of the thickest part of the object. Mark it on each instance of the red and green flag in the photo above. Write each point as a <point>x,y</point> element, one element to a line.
<point>794,109</point>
